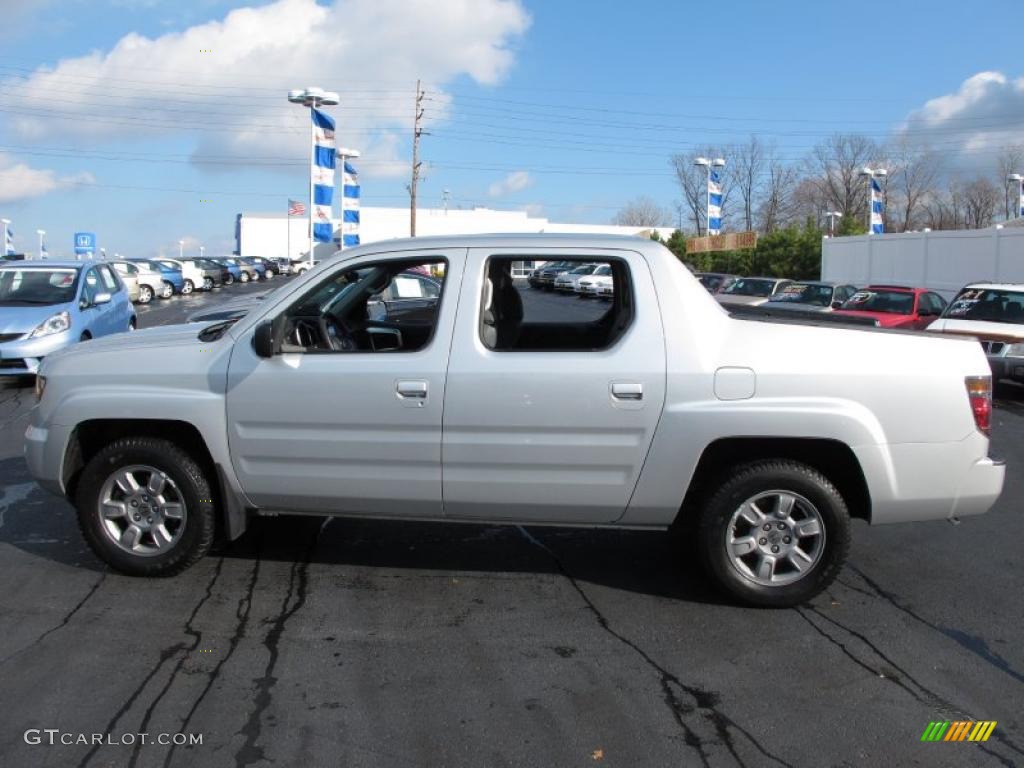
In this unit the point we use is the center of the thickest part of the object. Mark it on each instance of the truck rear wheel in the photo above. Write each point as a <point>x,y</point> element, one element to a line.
<point>145,507</point>
<point>774,533</point>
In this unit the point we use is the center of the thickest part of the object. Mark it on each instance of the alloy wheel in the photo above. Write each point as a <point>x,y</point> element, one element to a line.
<point>142,510</point>
<point>775,538</point>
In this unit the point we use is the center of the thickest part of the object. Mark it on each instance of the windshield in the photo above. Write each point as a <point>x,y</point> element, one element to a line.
<point>169,265</point>
<point>747,286</point>
<point>803,293</point>
<point>603,270</point>
<point>988,304</point>
<point>582,270</point>
<point>893,302</point>
<point>37,286</point>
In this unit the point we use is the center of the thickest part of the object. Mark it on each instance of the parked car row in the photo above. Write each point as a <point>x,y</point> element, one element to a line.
<point>584,280</point>
<point>147,279</point>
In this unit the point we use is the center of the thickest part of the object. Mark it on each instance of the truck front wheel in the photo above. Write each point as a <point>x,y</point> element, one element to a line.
<point>774,533</point>
<point>145,507</point>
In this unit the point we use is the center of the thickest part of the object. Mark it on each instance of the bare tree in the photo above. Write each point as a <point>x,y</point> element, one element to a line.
<point>748,164</point>
<point>643,211</point>
<point>693,183</point>
<point>981,201</point>
<point>809,200</point>
<point>777,205</point>
<point>913,170</point>
<point>1009,160</point>
<point>834,166</point>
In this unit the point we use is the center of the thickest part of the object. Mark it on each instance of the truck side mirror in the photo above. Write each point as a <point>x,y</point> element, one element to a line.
<point>263,339</point>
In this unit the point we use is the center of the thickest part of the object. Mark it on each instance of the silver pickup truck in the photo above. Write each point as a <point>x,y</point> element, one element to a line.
<point>755,440</point>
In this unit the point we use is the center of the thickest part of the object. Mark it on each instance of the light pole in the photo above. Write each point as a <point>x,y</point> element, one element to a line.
<point>707,165</point>
<point>103,254</point>
<point>343,154</point>
<point>871,174</point>
<point>6,223</point>
<point>1018,207</point>
<point>832,216</point>
<point>312,98</point>
<point>202,252</point>
<point>181,250</point>
<point>41,233</point>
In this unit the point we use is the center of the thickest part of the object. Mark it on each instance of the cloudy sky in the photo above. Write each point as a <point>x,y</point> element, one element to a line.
<point>149,121</point>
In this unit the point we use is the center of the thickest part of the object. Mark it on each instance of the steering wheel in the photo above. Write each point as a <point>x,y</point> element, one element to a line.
<point>338,334</point>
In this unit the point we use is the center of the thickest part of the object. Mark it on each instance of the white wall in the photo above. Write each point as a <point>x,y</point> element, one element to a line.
<point>941,261</point>
<point>267,234</point>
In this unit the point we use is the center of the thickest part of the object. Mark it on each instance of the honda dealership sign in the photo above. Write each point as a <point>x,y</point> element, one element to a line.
<point>85,243</point>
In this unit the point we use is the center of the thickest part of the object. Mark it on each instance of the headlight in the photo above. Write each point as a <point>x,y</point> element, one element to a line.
<point>1015,350</point>
<point>40,387</point>
<point>59,322</point>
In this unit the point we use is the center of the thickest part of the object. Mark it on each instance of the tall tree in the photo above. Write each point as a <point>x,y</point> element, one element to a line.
<point>913,170</point>
<point>776,208</point>
<point>1010,160</point>
<point>981,201</point>
<point>643,211</point>
<point>834,167</point>
<point>747,165</point>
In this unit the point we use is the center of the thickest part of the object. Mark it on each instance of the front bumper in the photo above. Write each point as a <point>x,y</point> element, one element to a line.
<point>23,356</point>
<point>1007,368</point>
<point>44,454</point>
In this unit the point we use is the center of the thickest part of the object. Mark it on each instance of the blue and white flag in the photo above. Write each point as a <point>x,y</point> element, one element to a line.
<point>714,202</point>
<point>8,241</point>
<point>322,175</point>
<point>349,206</point>
<point>877,208</point>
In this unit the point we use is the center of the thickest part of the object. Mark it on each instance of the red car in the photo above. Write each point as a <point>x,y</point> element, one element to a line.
<point>895,306</point>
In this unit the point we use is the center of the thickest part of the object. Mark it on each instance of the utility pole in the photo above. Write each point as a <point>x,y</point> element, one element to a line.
<point>417,131</point>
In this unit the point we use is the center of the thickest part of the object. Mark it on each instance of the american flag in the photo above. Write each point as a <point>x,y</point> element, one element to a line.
<point>295,208</point>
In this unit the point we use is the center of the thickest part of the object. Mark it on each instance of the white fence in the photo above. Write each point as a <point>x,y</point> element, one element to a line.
<point>940,261</point>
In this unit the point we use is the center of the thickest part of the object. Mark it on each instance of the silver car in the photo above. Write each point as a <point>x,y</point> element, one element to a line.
<point>150,282</point>
<point>752,291</point>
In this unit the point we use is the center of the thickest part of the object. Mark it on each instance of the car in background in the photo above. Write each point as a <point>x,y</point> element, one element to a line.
<point>810,296</point>
<point>150,282</point>
<point>994,314</point>
<point>257,264</point>
<point>173,280</point>
<point>544,276</point>
<point>270,266</point>
<point>752,291</point>
<point>246,272</point>
<point>216,273</point>
<point>410,297</point>
<point>894,306</point>
<point>715,281</point>
<point>48,305</point>
<point>591,284</point>
<point>234,271</point>
<point>299,267</point>
<point>568,282</point>
<point>192,274</point>
<point>282,264</point>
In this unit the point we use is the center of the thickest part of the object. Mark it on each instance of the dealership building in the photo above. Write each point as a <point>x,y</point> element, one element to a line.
<point>267,234</point>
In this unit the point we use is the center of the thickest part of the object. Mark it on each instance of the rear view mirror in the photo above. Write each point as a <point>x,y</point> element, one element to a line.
<point>263,339</point>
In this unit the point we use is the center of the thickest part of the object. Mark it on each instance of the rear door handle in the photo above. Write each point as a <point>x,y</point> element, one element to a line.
<point>627,390</point>
<point>412,389</point>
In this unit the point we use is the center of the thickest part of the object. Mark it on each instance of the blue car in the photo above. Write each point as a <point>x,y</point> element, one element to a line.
<point>174,281</point>
<point>233,269</point>
<point>48,305</point>
<point>257,264</point>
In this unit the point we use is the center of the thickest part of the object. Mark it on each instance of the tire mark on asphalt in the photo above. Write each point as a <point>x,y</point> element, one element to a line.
<point>63,622</point>
<point>298,584</point>
<point>197,639</point>
<point>923,695</point>
<point>166,655</point>
<point>242,612</point>
<point>706,701</point>
<point>973,643</point>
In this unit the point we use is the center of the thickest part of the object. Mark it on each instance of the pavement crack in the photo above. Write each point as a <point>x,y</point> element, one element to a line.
<point>703,700</point>
<point>972,643</point>
<point>294,599</point>
<point>63,622</point>
<point>242,612</point>
<point>166,655</point>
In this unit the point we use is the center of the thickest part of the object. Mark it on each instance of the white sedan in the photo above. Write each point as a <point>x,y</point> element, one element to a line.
<point>569,281</point>
<point>591,284</point>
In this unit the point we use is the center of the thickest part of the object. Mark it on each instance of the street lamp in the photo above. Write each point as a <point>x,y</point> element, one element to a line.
<point>202,251</point>
<point>41,233</point>
<point>312,98</point>
<point>343,154</point>
<point>871,174</point>
<point>6,223</point>
<point>1017,179</point>
<point>703,162</point>
<point>181,250</point>
<point>103,254</point>
<point>832,216</point>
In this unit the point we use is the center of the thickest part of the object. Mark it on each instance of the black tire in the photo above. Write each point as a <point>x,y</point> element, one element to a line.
<point>244,277</point>
<point>230,279</point>
<point>745,482</point>
<point>192,483</point>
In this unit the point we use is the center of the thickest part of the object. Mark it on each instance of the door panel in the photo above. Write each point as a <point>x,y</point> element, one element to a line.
<point>344,431</point>
<point>548,435</point>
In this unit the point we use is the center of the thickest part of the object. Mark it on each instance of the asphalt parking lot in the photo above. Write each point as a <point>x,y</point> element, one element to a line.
<point>350,643</point>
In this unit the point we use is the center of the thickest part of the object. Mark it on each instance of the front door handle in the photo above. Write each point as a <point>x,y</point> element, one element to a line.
<point>627,390</point>
<point>412,389</point>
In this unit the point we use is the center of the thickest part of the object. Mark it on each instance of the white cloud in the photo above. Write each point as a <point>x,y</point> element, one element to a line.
<point>984,113</point>
<point>514,182</point>
<point>225,81</point>
<point>19,181</point>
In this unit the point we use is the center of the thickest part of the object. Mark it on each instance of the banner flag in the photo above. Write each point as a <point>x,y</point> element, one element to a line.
<point>714,202</point>
<point>322,175</point>
<point>877,208</point>
<point>349,206</point>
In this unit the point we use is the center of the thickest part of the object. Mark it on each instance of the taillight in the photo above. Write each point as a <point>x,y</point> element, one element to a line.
<point>979,392</point>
